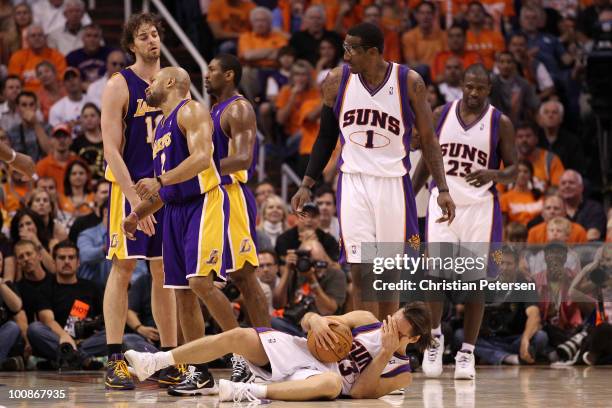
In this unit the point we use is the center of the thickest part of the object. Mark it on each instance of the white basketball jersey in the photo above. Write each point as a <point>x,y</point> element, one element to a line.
<point>367,343</point>
<point>467,148</point>
<point>375,124</point>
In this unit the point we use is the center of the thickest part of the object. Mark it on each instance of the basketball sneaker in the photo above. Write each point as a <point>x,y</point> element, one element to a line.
<point>240,370</point>
<point>465,365</point>
<point>432,358</point>
<point>237,392</point>
<point>117,374</point>
<point>172,375</point>
<point>196,382</point>
<point>144,364</point>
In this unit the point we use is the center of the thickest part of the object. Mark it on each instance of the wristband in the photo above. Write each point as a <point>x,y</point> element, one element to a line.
<point>158,178</point>
<point>13,157</point>
<point>443,190</point>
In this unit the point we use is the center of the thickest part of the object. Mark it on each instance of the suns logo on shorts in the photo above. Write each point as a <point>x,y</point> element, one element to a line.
<point>414,242</point>
<point>213,258</point>
<point>114,241</point>
<point>497,256</point>
<point>245,246</point>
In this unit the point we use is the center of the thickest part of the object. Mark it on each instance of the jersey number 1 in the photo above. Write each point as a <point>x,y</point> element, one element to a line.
<point>370,140</point>
<point>151,127</point>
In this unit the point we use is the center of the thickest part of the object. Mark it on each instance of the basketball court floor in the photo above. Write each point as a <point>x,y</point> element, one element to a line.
<point>495,387</point>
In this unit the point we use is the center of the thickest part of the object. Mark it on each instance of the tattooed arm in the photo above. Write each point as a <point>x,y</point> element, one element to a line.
<point>421,173</point>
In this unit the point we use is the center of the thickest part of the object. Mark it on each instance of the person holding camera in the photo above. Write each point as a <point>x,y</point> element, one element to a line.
<point>310,282</point>
<point>510,331</point>
<point>70,328</point>
<point>10,305</point>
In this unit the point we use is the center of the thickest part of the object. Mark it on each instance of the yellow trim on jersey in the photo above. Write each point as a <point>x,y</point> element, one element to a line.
<point>116,213</point>
<point>242,246</point>
<point>211,236</point>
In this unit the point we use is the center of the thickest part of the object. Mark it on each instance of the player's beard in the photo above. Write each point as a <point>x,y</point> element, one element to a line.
<point>154,99</point>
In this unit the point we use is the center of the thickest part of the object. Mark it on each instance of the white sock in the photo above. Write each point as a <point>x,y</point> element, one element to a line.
<point>467,347</point>
<point>164,359</point>
<point>512,359</point>
<point>437,331</point>
<point>258,390</point>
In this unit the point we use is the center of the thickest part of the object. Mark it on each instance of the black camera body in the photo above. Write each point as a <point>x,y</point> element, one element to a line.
<point>86,328</point>
<point>599,276</point>
<point>305,263</point>
<point>231,291</point>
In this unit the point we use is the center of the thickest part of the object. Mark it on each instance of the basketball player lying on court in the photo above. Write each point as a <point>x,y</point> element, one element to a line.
<point>375,366</point>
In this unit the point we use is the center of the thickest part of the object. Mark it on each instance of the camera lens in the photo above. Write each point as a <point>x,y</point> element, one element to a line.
<point>303,264</point>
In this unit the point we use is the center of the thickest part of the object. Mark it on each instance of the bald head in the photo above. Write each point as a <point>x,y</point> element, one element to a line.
<point>571,186</point>
<point>176,77</point>
<point>553,207</point>
<point>170,80</point>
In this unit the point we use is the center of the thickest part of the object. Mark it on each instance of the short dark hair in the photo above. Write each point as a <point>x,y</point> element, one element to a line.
<point>370,35</point>
<point>230,62</point>
<point>477,3</point>
<point>65,244</point>
<point>528,125</point>
<point>99,183</point>
<point>477,70</point>
<point>286,50</point>
<point>419,317</point>
<point>325,189</point>
<point>9,78</point>
<point>509,54</point>
<point>426,3</point>
<point>46,63</point>
<point>519,34</point>
<point>457,26</point>
<point>270,252</point>
<point>28,94</point>
<point>24,242</point>
<point>92,106</point>
<point>132,25</point>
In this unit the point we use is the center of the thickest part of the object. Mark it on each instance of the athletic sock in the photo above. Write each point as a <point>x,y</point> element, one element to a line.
<point>114,349</point>
<point>163,359</point>
<point>437,331</point>
<point>512,359</point>
<point>467,347</point>
<point>258,390</point>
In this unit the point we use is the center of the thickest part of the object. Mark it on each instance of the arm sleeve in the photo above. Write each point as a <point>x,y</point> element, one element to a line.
<point>325,143</point>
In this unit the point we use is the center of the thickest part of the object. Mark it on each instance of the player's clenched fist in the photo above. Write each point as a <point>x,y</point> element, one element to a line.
<point>147,188</point>
<point>129,225</point>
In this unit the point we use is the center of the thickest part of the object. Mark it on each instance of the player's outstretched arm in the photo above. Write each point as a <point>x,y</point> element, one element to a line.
<point>19,161</point>
<point>432,155</point>
<point>240,117</point>
<point>325,144</point>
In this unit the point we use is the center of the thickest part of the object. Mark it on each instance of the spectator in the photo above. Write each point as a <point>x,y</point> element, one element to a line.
<point>486,42</point>
<point>24,62</point>
<point>325,198</point>
<point>52,89</point>
<point>11,88</point>
<point>516,233</point>
<point>511,93</point>
<point>274,216</point>
<point>29,226</point>
<point>263,190</point>
<point>50,15</point>
<point>391,51</point>
<point>309,114</point>
<point>306,42</point>
<point>547,167</point>
<point>14,192</point>
<point>319,287</point>
<point>291,96</point>
<point>258,49</point>
<point>456,48</point>
<point>274,82</point>
<point>68,109</point>
<point>49,185</point>
<point>88,144</point>
<point>17,39</point>
<point>307,228</point>
<point>434,97</point>
<point>268,269</point>
<point>588,213</point>
<point>330,59</point>
<point>588,17</point>
<point>33,276</point>
<point>10,305</point>
<point>101,193</point>
<point>140,315</point>
<point>30,135</point>
<point>227,20</point>
<point>555,207</point>
<point>69,300</point>
<point>450,83</point>
<point>91,59</point>
<point>288,15</point>
<point>516,337</point>
<point>7,265</point>
<point>115,62</point>
<point>421,44</point>
<point>558,139</point>
<point>523,202</point>
<point>69,37</point>
<point>41,203</point>
<point>558,229</point>
<point>54,165</point>
<point>92,246</point>
<point>78,198</point>
<point>530,67</point>
<point>345,14</point>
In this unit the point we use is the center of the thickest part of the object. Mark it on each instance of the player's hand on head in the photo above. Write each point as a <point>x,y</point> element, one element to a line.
<point>447,205</point>
<point>390,334</point>
<point>301,197</point>
<point>323,335</point>
<point>147,188</point>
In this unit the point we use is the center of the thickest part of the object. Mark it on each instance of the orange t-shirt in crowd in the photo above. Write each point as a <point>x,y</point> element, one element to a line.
<point>488,43</point>
<point>537,234</point>
<point>293,123</point>
<point>437,68</point>
<point>547,170</point>
<point>49,167</point>
<point>520,206</point>
<point>232,19</point>
<point>309,128</point>
<point>422,49</point>
<point>46,101</point>
<point>24,62</point>
<point>392,45</point>
<point>332,8</point>
<point>14,196</point>
<point>85,208</point>
<point>250,41</point>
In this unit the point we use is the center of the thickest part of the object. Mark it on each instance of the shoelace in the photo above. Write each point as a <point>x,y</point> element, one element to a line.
<point>463,359</point>
<point>191,373</point>
<point>121,369</point>
<point>244,393</point>
<point>238,365</point>
<point>181,368</point>
<point>432,352</point>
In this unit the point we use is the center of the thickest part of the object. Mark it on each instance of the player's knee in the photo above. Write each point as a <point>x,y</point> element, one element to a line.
<point>238,335</point>
<point>123,268</point>
<point>331,385</point>
<point>203,286</point>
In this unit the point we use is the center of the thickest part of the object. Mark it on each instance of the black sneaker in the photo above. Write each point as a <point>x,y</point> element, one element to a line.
<point>172,375</point>
<point>195,382</point>
<point>117,375</point>
<point>13,364</point>
<point>240,370</point>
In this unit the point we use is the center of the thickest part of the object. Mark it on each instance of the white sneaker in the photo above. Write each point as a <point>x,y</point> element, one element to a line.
<point>143,363</point>
<point>236,392</point>
<point>432,358</point>
<point>465,366</point>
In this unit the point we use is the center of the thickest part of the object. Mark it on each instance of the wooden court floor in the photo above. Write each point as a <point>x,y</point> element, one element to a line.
<point>494,387</point>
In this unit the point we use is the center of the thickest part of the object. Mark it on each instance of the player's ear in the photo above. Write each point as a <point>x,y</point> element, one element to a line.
<point>414,339</point>
<point>171,82</point>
